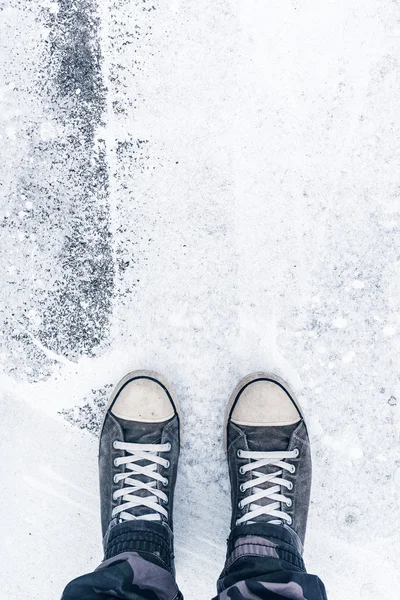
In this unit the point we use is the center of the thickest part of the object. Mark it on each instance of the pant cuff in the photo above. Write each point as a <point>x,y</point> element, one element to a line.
<point>264,540</point>
<point>141,536</point>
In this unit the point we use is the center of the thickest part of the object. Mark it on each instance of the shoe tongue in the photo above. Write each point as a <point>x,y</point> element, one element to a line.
<point>141,433</point>
<point>268,439</point>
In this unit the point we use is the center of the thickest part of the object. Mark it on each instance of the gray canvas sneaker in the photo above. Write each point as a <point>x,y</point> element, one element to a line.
<point>269,455</point>
<point>138,463</point>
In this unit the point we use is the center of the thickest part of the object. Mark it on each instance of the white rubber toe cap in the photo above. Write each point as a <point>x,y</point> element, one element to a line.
<point>143,400</point>
<point>265,403</point>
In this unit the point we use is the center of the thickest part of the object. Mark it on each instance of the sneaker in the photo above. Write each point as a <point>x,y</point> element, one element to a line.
<point>268,453</point>
<point>139,450</point>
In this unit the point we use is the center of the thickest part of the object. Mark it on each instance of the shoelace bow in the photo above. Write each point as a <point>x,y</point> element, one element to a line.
<point>274,493</point>
<point>130,499</point>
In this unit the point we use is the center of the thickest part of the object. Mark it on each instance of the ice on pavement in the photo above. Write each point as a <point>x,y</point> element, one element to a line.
<point>204,189</point>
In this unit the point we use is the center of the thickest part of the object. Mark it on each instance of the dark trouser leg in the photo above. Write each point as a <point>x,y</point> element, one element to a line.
<point>264,563</point>
<point>138,565</point>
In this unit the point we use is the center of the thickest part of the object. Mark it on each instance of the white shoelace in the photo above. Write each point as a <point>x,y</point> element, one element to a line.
<point>136,453</point>
<point>274,493</point>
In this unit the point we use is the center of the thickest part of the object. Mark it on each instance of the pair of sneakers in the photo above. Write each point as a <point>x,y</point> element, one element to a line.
<point>266,441</point>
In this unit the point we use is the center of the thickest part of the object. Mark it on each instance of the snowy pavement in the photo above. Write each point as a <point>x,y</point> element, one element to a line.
<point>204,189</point>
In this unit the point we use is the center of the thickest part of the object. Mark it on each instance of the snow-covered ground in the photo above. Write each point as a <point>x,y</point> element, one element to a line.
<point>204,188</point>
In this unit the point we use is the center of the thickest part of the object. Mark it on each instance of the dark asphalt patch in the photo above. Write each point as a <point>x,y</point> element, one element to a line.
<point>76,317</point>
<point>58,298</point>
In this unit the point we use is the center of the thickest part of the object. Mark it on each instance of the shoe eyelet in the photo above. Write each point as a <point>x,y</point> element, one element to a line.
<point>293,469</point>
<point>168,464</point>
<point>165,482</point>
<point>116,479</point>
<point>240,505</point>
<point>296,450</point>
<point>169,446</point>
<point>241,488</point>
<point>289,503</point>
<point>290,486</point>
<point>165,501</point>
<point>239,453</point>
<point>241,471</point>
<point>116,462</point>
<point>290,521</point>
<point>115,445</point>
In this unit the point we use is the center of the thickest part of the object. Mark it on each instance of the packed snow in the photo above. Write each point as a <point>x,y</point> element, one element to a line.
<point>204,189</point>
